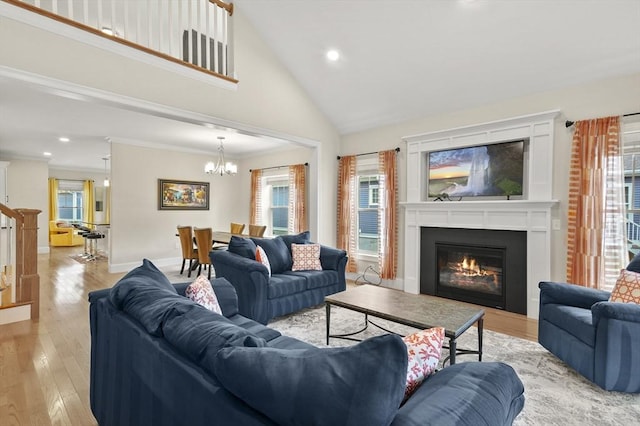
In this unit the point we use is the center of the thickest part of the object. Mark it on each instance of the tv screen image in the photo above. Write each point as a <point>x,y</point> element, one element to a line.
<point>477,171</point>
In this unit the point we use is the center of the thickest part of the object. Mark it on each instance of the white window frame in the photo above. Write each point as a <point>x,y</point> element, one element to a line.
<point>269,182</point>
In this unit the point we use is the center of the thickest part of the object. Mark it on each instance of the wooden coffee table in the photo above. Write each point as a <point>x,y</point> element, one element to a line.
<point>413,310</point>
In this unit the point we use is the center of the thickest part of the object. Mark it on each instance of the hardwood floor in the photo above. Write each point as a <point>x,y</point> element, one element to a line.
<point>44,364</point>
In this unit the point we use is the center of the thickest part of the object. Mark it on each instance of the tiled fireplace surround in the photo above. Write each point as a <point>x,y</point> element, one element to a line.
<point>532,213</point>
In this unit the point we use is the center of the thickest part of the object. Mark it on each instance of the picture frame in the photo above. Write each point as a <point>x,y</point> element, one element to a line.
<point>183,195</point>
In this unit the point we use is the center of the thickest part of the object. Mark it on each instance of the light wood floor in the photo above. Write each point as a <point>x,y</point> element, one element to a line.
<point>44,364</point>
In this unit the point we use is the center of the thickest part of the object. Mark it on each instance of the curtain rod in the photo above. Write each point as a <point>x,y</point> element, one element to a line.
<point>276,167</point>
<point>568,123</point>
<point>397,149</point>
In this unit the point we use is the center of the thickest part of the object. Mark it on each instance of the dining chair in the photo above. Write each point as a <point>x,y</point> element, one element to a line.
<point>257,230</point>
<point>188,251</point>
<point>237,228</point>
<point>204,240</point>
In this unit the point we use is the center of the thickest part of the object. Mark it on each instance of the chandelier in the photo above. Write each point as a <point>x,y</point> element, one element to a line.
<point>220,167</point>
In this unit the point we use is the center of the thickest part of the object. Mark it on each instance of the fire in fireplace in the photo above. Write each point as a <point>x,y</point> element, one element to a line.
<point>485,267</point>
<point>470,269</point>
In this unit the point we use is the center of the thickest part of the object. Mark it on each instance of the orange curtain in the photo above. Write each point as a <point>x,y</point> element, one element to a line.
<point>347,209</point>
<point>255,215</point>
<point>596,240</point>
<point>297,196</point>
<point>387,215</point>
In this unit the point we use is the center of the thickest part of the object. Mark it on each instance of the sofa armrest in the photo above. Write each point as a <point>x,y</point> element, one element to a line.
<point>250,279</point>
<point>629,312</point>
<point>467,393</point>
<point>332,258</point>
<point>570,294</point>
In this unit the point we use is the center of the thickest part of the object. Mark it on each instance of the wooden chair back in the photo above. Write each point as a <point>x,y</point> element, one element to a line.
<point>257,230</point>
<point>186,242</point>
<point>237,228</point>
<point>204,241</point>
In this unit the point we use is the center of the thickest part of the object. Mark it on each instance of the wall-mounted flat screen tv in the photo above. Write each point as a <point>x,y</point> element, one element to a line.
<point>477,171</point>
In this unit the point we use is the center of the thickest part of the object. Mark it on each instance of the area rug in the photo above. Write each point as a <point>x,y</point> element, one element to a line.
<point>555,394</point>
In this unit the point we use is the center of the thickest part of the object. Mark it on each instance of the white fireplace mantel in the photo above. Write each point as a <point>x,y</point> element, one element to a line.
<point>531,214</point>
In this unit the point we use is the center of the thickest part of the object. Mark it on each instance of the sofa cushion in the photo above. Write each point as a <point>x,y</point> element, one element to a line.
<point>306,257</point>
<point>319,386</point>
<point>277,252</point>
<point>146,294</point>
<point>634,265</point>
<point>285,284</point>
<point>200,334</point>
<point>423,348</point>
<point>244,247</point>
<point>255,328</point>
<point>466,394</point>
<point>301,238</point>
<point>627,288</point>
<point>576,321</point>
<point>316,279</point>
<point>201,292</point>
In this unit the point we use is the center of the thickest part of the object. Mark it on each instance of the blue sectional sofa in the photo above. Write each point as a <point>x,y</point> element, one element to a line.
<point>262,296</point>
<point>597,338</point>
<point>157,358</point>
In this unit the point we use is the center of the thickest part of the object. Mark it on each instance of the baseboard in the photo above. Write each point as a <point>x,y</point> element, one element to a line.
<point>15,313</point>
<point>160,263</point>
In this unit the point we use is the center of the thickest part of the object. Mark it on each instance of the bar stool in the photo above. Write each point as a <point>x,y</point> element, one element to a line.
<point>93,245</point>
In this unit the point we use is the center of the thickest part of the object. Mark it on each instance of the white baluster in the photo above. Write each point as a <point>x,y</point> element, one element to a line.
<point>70,9</point>
<point>85,11</point>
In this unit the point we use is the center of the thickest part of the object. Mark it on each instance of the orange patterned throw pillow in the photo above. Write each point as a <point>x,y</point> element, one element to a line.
<point>306,257</point>
<point>424,349</point>
<point>261,256</point>
<point>201,292</point>
<point>627,288</point>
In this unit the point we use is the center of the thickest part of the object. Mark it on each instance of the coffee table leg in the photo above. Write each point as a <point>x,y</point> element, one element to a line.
<point>480,326</point>
<point>452,351</point>
<point>328,307</point>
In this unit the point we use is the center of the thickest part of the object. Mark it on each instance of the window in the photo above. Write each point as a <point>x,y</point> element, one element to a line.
<point>70,200</point>
<point>631,146</point>
<point>368,199</point>
<point>279,210</point>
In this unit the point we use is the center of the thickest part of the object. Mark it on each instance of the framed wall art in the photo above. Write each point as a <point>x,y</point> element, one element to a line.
<point>182,195</point>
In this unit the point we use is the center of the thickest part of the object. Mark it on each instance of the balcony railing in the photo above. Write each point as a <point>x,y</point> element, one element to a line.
<point>194,33</point>
<point>19,280</point>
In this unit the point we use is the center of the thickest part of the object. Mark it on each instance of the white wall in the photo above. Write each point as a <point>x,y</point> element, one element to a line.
<point>604,98</point>
<point>28,188</point>
<point>267,98</point>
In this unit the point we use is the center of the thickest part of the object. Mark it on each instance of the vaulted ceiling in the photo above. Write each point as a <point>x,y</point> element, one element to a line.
<point>399,60</point>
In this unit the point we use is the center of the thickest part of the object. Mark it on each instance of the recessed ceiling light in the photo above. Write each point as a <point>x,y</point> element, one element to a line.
<point>63,139</point>
<point>333,55</point>
<point>46,154</point>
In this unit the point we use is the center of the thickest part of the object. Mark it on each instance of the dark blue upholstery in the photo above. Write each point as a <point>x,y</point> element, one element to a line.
<point>262,297</point>
<point>455,393</point>
<point>597,338</point>
<point>323,380</point>
<point>138,378</point>
<point>277,252</point>
<point>244,247</point>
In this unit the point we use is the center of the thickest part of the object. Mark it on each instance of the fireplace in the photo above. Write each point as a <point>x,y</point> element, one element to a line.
<point>480,266</point>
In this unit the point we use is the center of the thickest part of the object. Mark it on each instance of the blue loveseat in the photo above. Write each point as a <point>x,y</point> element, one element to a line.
<point>262,296</point>
<point>597,338</point>
<point>157,358</point>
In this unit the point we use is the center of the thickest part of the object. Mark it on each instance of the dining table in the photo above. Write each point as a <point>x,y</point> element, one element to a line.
<point>224,237</point>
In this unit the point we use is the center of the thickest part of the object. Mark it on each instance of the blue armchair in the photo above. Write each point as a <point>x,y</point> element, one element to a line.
<point>597,338</point>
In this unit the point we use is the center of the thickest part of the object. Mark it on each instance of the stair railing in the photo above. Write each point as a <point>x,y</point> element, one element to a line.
<point>194,33</point>
<point>19,280</point>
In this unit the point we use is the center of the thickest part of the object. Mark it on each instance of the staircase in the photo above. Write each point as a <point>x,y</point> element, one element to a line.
<point>19,280</point>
